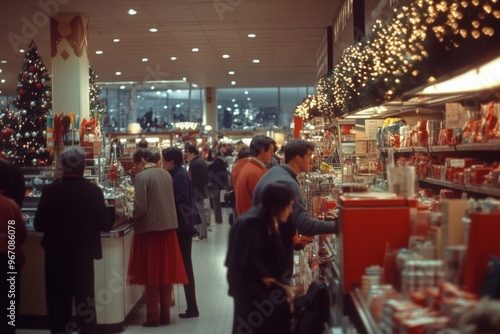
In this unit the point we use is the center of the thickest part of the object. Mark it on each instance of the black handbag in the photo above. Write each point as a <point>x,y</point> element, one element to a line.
<point>229,198</point>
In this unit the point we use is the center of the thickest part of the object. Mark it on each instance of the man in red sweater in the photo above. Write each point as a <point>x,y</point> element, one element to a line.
<point>262,150</point>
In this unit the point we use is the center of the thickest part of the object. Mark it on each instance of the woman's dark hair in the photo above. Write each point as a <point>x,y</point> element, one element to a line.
<point>172,153</point>
<point>146,154</point>
<point>275,197</point>
<point>297,147</point>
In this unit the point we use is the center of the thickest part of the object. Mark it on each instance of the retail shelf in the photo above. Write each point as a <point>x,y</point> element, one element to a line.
<point>495,146</point>
<point>363,313</point>
<point>467,188</point>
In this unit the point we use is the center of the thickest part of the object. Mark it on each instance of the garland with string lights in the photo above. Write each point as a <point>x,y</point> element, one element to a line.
<point>34,104</point>
<point>308,108</point>
<point>419,43</point>
<point>323,95</point>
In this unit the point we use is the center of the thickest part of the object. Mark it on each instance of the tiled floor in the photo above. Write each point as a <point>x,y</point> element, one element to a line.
<point>216,307</point>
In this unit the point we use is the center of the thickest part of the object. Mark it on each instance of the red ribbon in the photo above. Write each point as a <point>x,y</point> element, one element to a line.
<point>75,32</point>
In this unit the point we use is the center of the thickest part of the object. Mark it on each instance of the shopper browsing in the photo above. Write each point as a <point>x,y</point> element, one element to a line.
<point>155,257</point>
<point>71,214</point>
<point>186,217</point>
<point>256,270</point>
<point>298,159</point>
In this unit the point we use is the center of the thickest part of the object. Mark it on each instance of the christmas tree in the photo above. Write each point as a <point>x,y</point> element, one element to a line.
<point>9,123</point>
<point>34,104</point>
<point>96,105</point>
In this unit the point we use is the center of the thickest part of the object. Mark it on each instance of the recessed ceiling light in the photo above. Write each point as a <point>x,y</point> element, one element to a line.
<point>233,83</point>
<point>131,11</point>
<point>246,92</point>
<point>169,91</point>
<point>252,35</point>
<point>178,91</point>
<point>122,87</point>
<point>0,92</point>
<point>118,73</point>
<point>3,61</point>
<point>99,52</point>
<point>0,70</point>
<point>153,30</point>
<point>2,81</point>
<point>225,56</point>
<point>231,72</point>
<point>165,107</point>
<point>116,40</point>
<point>21,50</point>
<point>248,99</point>
<point>195,49</point>
<point>219,107</point>
<point>145,59</point>
<point>152,87</point>
<point>233,100</point>
<point>158,92</point>
<point>173,58</point>
<point>256,61</point>
<point>184,79</point>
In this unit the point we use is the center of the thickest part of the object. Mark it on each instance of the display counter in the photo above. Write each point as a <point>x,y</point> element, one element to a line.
<point>114,298</point>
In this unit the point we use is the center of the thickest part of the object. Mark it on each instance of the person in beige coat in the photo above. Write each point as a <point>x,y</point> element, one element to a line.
<point>155,257</point>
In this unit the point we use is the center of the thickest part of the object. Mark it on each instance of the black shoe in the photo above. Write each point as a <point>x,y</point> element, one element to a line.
<point>189,315</point>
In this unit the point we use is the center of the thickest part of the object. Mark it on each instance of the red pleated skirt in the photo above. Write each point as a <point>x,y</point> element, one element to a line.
<point>156,259</point>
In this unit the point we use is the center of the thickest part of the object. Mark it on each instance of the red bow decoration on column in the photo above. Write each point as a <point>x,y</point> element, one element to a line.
<point>74,31</point>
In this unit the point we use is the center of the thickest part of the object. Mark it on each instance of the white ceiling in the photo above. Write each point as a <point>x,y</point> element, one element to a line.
<point>289,33</point>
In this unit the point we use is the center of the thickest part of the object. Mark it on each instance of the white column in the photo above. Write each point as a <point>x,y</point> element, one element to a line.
<point>70,64</point>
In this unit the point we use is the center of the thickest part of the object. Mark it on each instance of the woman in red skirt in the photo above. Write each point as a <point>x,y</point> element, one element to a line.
<point>155,257</point>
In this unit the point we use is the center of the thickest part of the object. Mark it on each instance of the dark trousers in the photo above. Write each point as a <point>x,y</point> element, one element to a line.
<point>68,279</point>
<point>215,198</point>
<point>185,241</point>
<point>10,293</point>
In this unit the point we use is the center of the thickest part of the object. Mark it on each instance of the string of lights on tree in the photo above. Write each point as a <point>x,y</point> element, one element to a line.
<point>33,105</point>
<point>95,104</point>
<point>416,46</point>
<point>8,123</point>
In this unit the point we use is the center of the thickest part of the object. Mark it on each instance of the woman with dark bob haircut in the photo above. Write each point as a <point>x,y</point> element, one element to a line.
<point>256,268</point>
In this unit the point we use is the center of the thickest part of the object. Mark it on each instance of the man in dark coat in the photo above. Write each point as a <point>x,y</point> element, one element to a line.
<point>198,171</point>
<point>71,214</point>
<point>186,215</point>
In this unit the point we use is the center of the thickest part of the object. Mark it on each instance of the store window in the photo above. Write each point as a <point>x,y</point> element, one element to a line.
<point>258,108</point>
<point>247,108</point>
<point>290,98</point>
<point>158,108</point>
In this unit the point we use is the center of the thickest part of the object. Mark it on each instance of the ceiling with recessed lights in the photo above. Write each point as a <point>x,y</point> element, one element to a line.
<point>264,42</point>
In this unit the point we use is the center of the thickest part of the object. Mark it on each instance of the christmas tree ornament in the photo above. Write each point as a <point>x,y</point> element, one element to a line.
<point>21,92</point>
<point>32,68</point>
<point>33,134</point>
<point>38,85</point>
<point>34,161</point>
<point>18,136</point>
<point>27,135</point>
<point>24,112</point>
<point>32,103</point>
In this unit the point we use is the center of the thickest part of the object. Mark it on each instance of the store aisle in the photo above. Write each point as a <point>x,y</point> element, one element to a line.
<point>216,307</point>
